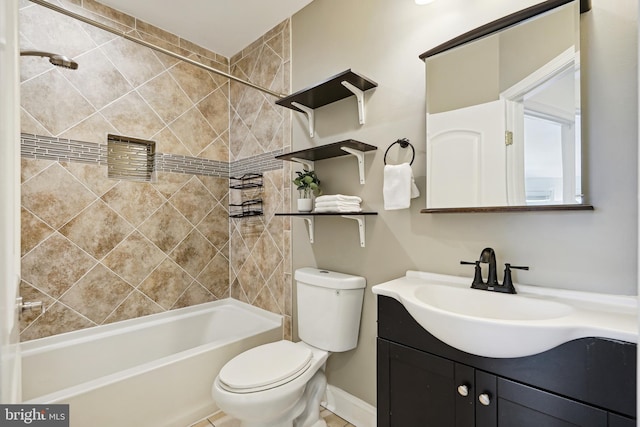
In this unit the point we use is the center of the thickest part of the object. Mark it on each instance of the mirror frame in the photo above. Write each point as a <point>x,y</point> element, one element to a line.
<point>480,32</point>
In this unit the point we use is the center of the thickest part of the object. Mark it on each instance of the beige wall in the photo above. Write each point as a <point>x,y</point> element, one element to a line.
<point>592,251</point>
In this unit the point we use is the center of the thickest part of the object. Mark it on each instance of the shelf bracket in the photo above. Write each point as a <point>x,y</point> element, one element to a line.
<point>309,220</point>
<point>360,156</point>
<point>308,165</point>
<point>360,220</point>
<point>359,93</point>
<point>310,116</point>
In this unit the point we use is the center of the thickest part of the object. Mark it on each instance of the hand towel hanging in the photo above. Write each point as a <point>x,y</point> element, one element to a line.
<point>399,187</point>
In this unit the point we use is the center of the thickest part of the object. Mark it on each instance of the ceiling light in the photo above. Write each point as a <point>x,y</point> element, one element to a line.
<point>422,2</point>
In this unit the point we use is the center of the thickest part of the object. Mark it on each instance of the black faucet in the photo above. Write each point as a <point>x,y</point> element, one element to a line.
<point>488,256</point>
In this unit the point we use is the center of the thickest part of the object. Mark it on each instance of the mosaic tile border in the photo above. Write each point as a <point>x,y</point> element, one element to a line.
<point>67,150</point>
<point>258,164</point>
<point>62,150</point>
<point>173,163</point>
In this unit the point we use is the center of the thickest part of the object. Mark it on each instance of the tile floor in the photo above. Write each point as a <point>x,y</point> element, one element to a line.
<point>220,419</point>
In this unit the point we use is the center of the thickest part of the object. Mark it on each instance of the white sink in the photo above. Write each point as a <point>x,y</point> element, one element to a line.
<point>472,303</point>
<point>493,324</point>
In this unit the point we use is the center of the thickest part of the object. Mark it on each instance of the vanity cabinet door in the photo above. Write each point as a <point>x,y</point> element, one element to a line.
<point>420,389</point>
<point>523,406</point>
<point>465,395</point>
<point>487,400</point>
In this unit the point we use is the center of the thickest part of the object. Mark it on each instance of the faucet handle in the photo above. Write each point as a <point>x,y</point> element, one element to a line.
<point>477,277</point>
<point>507,284</point>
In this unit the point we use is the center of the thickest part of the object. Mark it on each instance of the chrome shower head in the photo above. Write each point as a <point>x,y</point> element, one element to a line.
<point>54,58</point>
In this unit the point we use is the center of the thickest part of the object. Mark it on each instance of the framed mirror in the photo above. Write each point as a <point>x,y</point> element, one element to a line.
<point>503,114</point>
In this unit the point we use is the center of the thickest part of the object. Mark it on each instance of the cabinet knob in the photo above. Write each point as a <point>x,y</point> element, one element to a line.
<point>463,390</point>
<point>485,399</point>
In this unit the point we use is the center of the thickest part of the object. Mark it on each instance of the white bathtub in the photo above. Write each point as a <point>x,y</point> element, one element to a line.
<point>153,371</point>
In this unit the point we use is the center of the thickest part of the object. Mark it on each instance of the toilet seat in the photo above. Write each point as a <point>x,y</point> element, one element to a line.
<point>264,367</point>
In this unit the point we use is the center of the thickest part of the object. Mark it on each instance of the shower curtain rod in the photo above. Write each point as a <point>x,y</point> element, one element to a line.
<point>154,47</point>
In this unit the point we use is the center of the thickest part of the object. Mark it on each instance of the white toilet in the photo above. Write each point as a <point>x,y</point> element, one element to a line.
<point>281,384</point>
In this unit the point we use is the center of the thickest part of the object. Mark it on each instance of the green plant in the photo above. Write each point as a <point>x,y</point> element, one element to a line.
<point>307,183</point>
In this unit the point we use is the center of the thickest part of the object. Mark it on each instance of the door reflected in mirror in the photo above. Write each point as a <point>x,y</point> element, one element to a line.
<point>503,116</point>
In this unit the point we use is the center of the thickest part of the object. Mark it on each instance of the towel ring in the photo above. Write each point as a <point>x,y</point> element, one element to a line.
<point>404,143</point>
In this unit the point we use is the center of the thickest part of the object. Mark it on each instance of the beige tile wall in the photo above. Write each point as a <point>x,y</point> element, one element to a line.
<point>260,247</point>
<point>97,250</point>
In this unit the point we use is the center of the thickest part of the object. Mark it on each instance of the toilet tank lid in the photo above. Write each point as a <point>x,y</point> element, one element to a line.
<point>329,279</point>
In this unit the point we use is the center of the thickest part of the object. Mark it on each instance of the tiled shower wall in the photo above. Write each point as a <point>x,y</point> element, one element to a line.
<point>261,259</point>
<point>97,250</point>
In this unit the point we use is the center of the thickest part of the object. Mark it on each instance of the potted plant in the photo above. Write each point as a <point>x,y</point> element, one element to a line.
<point>307,184</point>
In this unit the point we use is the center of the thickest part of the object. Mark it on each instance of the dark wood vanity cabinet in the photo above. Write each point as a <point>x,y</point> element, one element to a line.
<point>423,382</point>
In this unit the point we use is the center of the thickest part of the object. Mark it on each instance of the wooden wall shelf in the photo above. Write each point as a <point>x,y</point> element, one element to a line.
<point>310,155</point>
<point>335,88</point>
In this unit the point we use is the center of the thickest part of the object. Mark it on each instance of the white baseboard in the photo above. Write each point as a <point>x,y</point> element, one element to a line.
<point>350,408</point>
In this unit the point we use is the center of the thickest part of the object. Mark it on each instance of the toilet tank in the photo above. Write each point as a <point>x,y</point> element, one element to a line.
<point>329,308</point>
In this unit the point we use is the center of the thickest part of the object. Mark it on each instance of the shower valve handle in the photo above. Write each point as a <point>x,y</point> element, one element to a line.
<point>28,306</point>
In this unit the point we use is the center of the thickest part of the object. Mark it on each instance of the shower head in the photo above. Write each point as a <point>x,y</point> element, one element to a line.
<point>54,58</point>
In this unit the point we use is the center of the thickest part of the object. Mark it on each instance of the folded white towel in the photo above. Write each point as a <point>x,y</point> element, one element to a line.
<point>337,204</point>
<point>399,186</point>
<point>338,198</point>
<point>337,209</point>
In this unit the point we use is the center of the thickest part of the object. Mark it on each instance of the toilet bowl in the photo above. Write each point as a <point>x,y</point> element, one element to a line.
<point>281,384</point>
<point>274,398</point>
